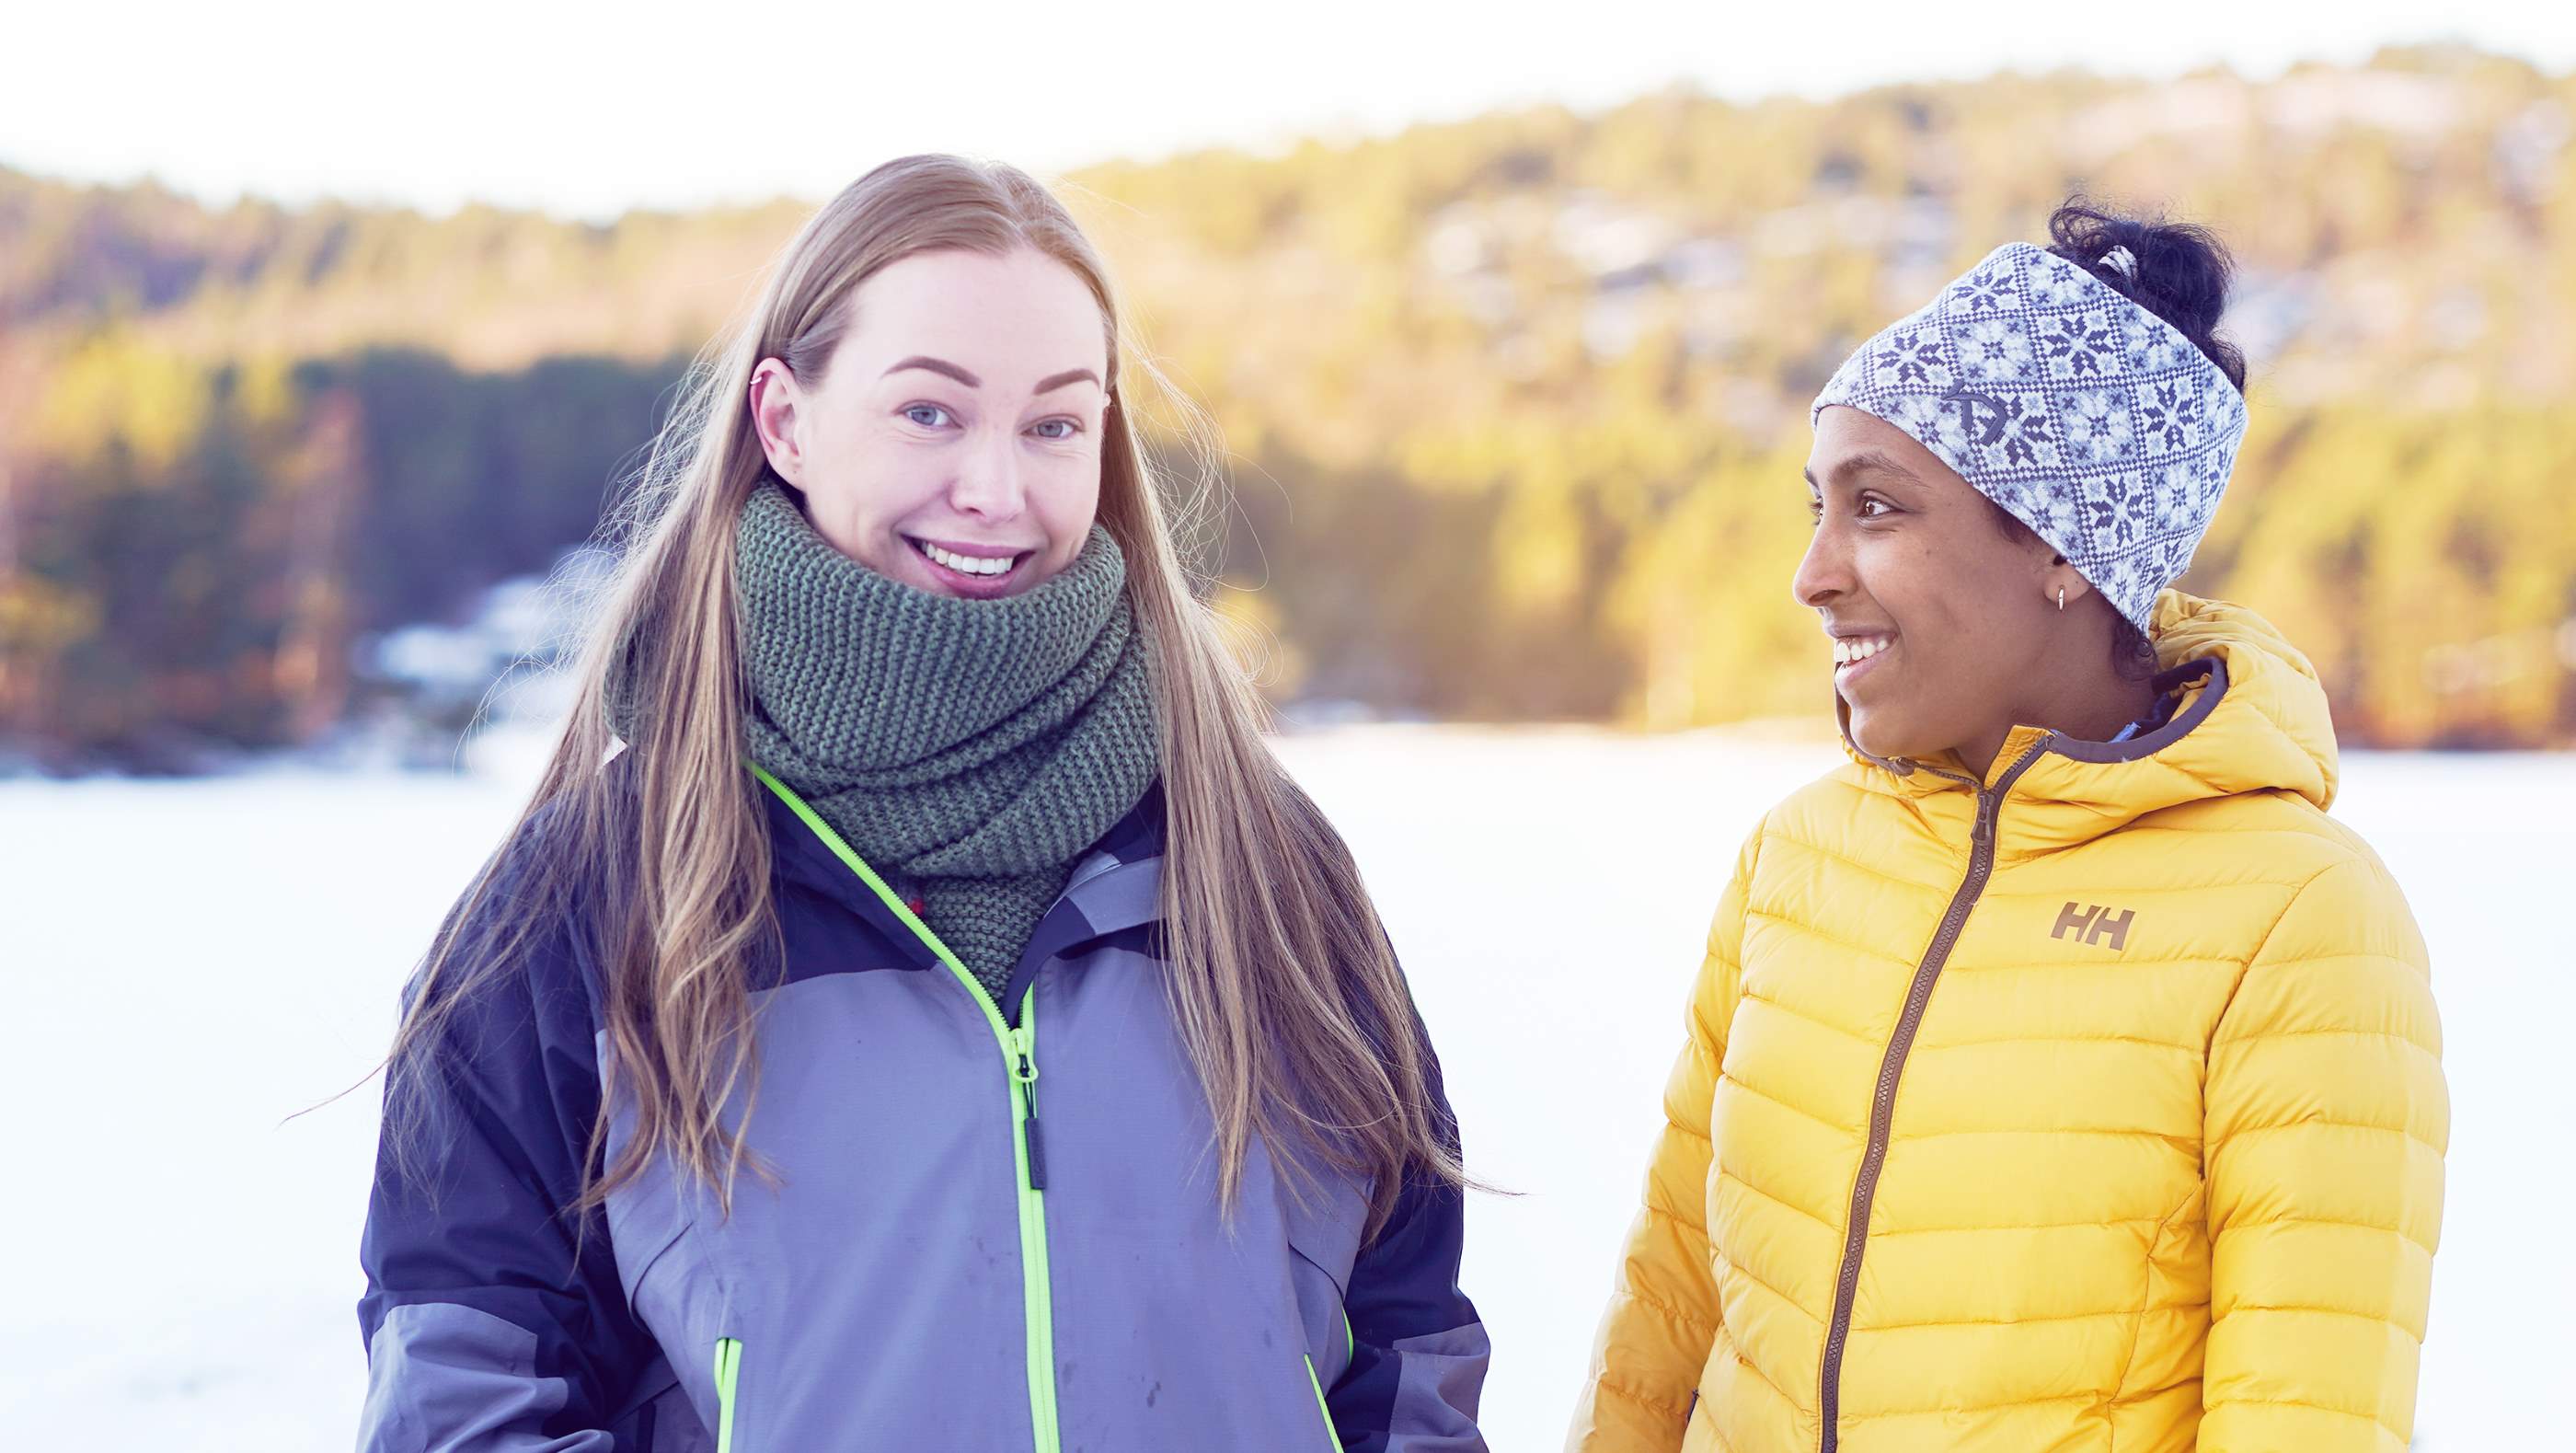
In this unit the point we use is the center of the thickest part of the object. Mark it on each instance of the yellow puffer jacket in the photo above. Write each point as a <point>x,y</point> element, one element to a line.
<point>2097,1107</point>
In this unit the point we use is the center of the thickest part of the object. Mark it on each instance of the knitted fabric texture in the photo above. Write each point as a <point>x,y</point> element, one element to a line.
<point>970,750</point>
<point>2085,416</point>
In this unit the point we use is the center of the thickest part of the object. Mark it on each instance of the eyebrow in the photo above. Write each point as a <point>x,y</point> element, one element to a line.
<point>1869,461</point>
<point>936,365</point>
<point>1046,385</point>
<point>1054,381</point>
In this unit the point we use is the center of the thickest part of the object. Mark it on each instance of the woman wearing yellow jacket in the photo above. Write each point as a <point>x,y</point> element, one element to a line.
<point>2060,1076</point>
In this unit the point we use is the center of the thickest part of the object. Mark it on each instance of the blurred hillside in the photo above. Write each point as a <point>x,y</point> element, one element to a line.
<point>1515,407</point>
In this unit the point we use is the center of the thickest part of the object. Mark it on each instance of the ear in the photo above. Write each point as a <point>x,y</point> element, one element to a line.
<point>2063,577</point>
<point>777,406</point>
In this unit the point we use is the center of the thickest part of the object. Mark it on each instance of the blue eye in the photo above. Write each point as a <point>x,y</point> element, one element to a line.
<point>937,416</point>
<point>1066,428</point>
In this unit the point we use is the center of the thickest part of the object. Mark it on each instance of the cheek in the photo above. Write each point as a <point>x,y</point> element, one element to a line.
<point>1903,575</point>
<point>875,475</point>
<point>1941,611</point>
<point>1071,502</point>
<point>860,486</point>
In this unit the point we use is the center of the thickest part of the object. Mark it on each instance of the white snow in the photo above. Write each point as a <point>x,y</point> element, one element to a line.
<point>184,965</point>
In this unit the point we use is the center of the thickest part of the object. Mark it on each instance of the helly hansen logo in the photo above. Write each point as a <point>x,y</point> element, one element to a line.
<point>2094,924</point>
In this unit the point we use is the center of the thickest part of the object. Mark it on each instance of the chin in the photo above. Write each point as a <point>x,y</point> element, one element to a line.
<point>1877,737</point>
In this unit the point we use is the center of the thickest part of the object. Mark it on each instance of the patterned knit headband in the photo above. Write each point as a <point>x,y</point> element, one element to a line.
<point>2087,417</point>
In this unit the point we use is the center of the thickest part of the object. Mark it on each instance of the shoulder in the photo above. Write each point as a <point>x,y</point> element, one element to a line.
<point>519,940</point>
<point>1812,829</point>
<point>1829,815</point>
<point>2282,838</point>
<point>2347,905</point>
<point>2335,950</point>
<point>1848,791</point>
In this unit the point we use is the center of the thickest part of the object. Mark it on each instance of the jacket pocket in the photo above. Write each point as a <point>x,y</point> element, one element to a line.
<point>634,1269</point>
<point>1331,1433</point>
<point>1323,1315</point>
<point>2173,1282</point>
<point>728,1379</point>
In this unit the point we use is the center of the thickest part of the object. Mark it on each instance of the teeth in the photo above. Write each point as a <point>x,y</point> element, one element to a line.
<point>965,564</point>
<point>1860,648</point>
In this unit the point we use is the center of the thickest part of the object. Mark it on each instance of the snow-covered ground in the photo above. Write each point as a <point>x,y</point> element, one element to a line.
<point>185,965</point>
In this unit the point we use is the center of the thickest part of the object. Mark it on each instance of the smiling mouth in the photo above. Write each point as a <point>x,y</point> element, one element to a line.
<point>1854,655</point>
<point>978,569</point>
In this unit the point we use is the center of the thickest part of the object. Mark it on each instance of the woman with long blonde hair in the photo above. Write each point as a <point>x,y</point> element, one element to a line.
<point>915,1009</point>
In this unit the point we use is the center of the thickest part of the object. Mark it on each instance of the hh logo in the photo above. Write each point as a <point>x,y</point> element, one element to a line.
<point>2093,924</point>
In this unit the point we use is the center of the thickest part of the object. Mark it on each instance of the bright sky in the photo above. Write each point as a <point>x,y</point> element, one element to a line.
<point>587,110</point>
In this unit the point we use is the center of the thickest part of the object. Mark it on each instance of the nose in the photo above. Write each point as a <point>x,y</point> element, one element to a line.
<point>1825,573</point>
<point>988,483</point>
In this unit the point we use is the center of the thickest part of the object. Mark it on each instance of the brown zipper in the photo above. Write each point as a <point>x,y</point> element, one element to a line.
<point>1882,1110</point>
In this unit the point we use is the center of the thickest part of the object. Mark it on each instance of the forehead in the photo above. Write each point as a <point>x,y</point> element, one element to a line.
<point>1857,442</point>
<point>1019,313</point>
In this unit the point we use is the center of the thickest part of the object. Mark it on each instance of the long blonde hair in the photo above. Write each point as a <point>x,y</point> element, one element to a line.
<point>1285,991</point>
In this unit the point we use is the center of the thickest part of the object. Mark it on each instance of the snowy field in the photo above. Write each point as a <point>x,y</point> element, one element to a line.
<point>186,964</point>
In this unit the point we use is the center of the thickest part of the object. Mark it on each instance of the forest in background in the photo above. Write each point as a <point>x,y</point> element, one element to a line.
<point>1512,409</point>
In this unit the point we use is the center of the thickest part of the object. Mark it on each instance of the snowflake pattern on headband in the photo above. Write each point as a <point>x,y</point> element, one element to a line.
<point>2088,418</point>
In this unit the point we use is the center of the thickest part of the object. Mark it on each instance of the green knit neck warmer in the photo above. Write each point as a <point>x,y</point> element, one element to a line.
<point>969,750</point>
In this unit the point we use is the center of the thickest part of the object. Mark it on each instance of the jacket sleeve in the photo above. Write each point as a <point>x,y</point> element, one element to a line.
<point>493,1321</point>
<point>1418,1349</point>
<point>1662,1320</point>
<point>2326,1122</point>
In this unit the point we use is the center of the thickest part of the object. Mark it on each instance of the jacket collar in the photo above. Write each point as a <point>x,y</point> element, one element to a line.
<point>1115,885</point>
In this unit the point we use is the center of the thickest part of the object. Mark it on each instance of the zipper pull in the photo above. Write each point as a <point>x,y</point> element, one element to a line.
<point>1024,1060</point>
<point>1024,1071</point>
<point>1984,833</point>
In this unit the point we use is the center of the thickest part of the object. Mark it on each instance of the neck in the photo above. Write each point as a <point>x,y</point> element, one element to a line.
<point>2089,707</point>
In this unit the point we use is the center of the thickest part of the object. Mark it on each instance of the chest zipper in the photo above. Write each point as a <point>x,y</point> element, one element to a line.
<point>1018,1044</point>
<point>1891,1069</point>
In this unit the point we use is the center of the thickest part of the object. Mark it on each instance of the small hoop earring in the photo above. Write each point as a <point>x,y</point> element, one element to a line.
<point>2061,600</point>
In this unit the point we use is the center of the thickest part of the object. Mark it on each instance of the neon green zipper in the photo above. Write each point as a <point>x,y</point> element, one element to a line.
<point>1324,1407</point>
<point>1028,1147</point>
<point>728,1377</point>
